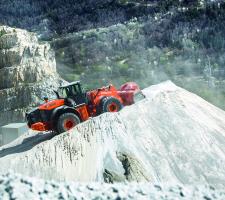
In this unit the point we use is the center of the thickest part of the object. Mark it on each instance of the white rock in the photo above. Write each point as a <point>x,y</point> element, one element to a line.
<point>171,136</point>
<point>27,73</point>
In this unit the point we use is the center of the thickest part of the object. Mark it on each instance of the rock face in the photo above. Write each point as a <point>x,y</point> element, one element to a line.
<point>171,136</point>
<point>27,72</point>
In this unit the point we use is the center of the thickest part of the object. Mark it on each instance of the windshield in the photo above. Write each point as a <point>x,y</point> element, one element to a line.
<point>62,92</point>
<point>69,91</point>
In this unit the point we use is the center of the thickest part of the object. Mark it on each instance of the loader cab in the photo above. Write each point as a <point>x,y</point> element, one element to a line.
<point>73,91</point>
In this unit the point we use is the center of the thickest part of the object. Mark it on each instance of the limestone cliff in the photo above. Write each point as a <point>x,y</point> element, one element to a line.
<point>27,73</point>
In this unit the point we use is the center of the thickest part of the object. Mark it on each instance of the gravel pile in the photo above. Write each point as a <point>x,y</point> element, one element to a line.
<point>14,186</point>
<point>172,136</point>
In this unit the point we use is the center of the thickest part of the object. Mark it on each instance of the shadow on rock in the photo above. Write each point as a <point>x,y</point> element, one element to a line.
<point>27,144</point>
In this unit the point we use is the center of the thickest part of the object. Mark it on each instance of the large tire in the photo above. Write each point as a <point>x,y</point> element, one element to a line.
<point>66,122</point>
<point>109,104</point>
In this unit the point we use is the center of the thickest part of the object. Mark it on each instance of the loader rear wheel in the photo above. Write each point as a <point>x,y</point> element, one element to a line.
<point>67,121</point>
<point>110,104</point>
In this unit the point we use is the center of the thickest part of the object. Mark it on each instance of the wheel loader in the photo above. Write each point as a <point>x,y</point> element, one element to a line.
<point>73,106</point>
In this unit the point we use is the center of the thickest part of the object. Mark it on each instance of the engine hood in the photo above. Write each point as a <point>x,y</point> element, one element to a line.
<point>52,104</point>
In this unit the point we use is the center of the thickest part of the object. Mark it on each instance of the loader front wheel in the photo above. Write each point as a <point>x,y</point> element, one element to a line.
<point>66,122</point>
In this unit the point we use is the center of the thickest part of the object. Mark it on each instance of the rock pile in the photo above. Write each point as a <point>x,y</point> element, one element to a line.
<point>171,136</point>
<point>15,186</point>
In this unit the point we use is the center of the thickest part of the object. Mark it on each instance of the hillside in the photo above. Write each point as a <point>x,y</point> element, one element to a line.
<point>48,17</point>
<point>116,41</point>
<point>184,44</point>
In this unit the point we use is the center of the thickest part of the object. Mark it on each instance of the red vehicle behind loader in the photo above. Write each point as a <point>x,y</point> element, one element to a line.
<point>73,106</point>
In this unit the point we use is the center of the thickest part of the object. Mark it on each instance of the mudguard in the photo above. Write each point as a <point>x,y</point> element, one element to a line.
<point>62,109</point>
